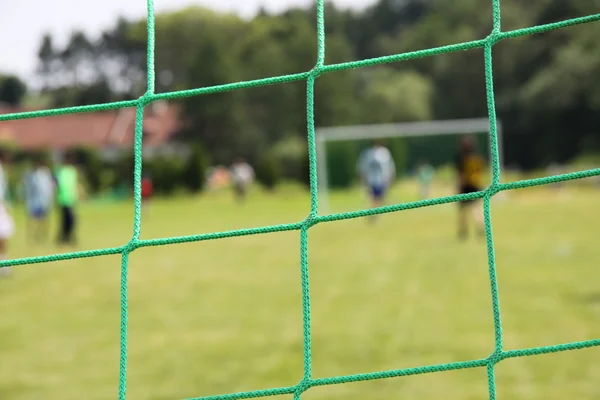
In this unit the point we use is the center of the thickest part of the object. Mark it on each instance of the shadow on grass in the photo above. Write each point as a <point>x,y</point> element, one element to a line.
<point>591,298</point>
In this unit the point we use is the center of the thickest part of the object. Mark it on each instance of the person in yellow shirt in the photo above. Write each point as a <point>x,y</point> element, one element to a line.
<point>470,166</point>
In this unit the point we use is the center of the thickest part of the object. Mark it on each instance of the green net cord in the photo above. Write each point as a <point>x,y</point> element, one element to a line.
<point>307,381</point>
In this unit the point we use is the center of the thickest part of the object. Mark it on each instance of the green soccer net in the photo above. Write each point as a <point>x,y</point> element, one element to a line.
<point>314,218</point>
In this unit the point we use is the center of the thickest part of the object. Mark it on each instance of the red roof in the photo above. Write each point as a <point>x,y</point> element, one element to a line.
<point>96,129</point>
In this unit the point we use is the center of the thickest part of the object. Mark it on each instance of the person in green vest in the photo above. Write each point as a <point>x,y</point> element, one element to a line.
<point>67,190</point>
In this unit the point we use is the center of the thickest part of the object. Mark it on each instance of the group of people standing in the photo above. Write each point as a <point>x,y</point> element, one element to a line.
<point>377,172</point>
<point>43,190</point>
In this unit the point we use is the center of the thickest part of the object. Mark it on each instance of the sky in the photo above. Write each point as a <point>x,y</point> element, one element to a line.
<point>23,22</point>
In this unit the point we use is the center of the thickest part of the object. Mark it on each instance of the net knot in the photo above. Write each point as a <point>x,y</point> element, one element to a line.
<point>316,71</point>
<point>496,357</point>
<point>131,246</point>
<point>494,37</point>
<point>303,386</point>
<point>146,98</point>
<point>311,220</point>
<point>494,189</point>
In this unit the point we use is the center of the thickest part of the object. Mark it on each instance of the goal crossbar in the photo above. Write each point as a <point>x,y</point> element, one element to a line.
<point>381,131</point>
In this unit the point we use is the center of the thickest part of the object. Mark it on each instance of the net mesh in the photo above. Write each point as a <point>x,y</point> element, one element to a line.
<point>307,381</point>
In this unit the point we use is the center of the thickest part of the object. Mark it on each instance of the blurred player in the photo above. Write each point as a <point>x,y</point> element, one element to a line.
<point>7,225</point>
<point>242,176</point>
<point>67,197</point>
<point>424,176</point>
<point>147,191</point>
<point>377,172</point>
<point>470,167</point>
<point>39,193</point>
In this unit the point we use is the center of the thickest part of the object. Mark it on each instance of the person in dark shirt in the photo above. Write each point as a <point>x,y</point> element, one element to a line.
<point>69,192</point>
<point>470,166</point>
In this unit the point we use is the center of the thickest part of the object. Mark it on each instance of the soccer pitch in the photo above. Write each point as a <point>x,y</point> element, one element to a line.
<point>225,316</point>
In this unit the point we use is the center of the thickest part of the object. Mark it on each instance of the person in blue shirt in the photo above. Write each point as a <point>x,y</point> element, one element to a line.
<point>377,172</point>
<point>39,194</point>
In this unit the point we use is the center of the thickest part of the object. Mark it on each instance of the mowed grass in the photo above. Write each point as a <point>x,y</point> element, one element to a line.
<point>225,316</point>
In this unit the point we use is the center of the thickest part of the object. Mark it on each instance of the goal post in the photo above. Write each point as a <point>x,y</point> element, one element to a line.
<point>394,130</point>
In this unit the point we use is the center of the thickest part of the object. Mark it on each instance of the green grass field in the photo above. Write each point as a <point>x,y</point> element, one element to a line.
<point>225,316</point>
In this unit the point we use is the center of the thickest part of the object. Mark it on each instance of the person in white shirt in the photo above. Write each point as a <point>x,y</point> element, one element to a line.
<point>377,172</point>
<point>39,194</point>
<point>7,225</point>
<point>242,175</point>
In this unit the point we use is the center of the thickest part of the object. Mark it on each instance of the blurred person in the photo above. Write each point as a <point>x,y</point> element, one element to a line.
<point>377,172</point>
<point>7,224</point>
<point>39,192</point>
<point>147,192</point>
<point>469,165</point>
<point>424,176</point>
<point>68,193</point>
<point>242,175</point>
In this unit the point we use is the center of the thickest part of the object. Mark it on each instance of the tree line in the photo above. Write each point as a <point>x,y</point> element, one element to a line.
<point>547,88</point>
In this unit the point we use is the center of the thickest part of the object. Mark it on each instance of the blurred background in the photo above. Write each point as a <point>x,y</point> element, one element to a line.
<point>218,317</point>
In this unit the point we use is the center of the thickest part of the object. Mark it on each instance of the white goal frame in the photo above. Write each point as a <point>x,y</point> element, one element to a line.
<point>381,131</point>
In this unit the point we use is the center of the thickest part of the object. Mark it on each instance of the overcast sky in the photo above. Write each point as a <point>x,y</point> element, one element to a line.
<point>23,22</point>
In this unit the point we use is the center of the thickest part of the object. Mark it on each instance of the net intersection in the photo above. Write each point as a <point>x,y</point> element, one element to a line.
<point>314,218</point>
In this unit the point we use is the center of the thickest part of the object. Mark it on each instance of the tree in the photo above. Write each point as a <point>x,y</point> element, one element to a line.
<point>268,171</point>
<point>216,119</point>
<point>75,56</point>
<point>12,90</point>
<point>46,57</point>
<point>195,169</point>
<point>124,47</point>
<point>385,96</point>
<point>341,163</point>
<point>95,93</point>
<point>546,87</point>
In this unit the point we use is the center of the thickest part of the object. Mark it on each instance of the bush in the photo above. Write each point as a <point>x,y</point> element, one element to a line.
<point>109,178</point>
<point>166,173</point>
<point>290,153</point>
<point>398,150</point>
<point>304,177</point>
<point>91,165</point>
<point>268,170</point>
<point>195,169</point>
<point>341,164</point>
<point>124,169</point>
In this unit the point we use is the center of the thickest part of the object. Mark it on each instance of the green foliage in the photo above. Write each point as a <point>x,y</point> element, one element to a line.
<point>399,151</point>
<point>91,166</point>
<point>195,169</point>
<point>386,100</point>
<point>109,178</point>
<point>341,163</point>
<point>166,173</point>
<point>547,86</point>
<point>12,90</point>
<point>291,153</point>
<point>304,177</point>
<point>268,170</point>
<point>124,168</point>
